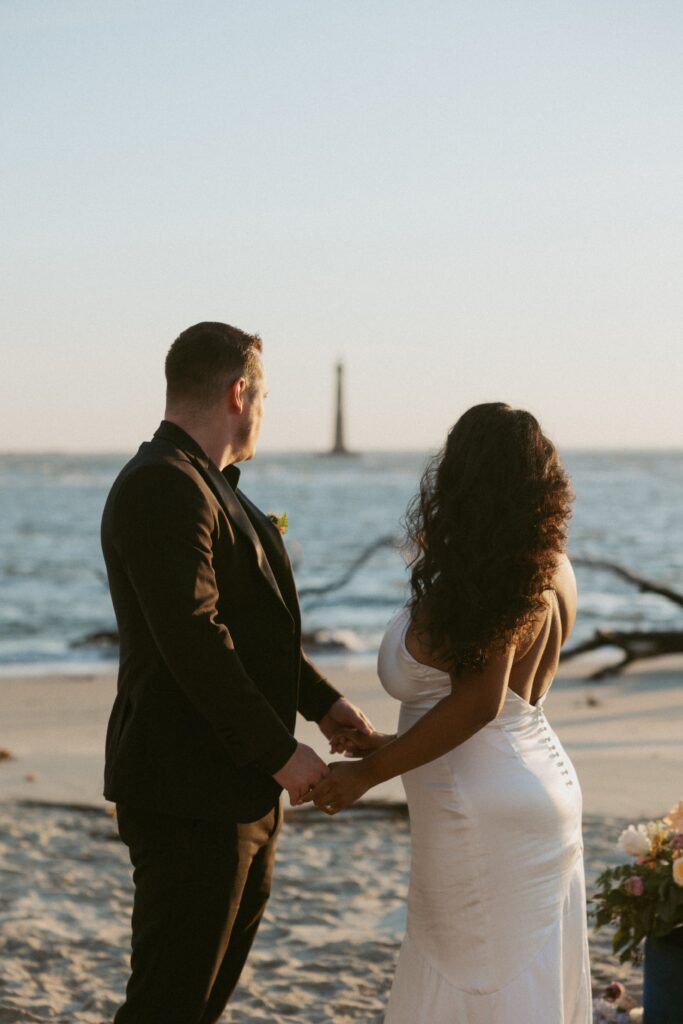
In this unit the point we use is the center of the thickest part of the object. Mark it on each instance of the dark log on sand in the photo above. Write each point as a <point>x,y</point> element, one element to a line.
<point>637,645</point>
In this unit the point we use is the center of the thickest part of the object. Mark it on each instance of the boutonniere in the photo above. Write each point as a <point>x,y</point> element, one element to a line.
<point>280,522</point>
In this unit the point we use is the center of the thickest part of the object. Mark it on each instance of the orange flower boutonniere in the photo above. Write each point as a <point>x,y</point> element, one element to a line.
<point>279,521</point>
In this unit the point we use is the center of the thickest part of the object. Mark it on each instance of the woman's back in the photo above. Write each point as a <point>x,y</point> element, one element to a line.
<point>496,928</point>
<point>534,668</point>
<point>496,912</point>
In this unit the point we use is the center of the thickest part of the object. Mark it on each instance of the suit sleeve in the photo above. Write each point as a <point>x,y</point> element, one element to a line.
<point>316,694</point>
<point>164,528</point>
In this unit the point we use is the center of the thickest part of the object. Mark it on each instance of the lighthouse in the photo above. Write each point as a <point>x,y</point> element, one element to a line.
<point>339,446</point>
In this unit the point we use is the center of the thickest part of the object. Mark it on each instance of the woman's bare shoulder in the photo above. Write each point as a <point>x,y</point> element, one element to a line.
<point>560,595</point>
<point>564,579</point>
<point>564,585</point>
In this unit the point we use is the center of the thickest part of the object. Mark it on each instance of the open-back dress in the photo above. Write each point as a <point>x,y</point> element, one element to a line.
<point>496,930</point>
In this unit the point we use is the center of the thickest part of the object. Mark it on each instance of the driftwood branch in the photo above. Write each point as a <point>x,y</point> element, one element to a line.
<point>642,584</point>
<point>636,645</point>
<point>307,594</point>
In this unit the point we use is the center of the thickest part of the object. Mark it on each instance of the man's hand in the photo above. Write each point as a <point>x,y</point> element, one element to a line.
<point>301,773</point>
<point>344,784</point>
<point>344,715</point>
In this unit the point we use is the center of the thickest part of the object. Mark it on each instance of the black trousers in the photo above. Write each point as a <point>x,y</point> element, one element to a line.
<point>200,891</point>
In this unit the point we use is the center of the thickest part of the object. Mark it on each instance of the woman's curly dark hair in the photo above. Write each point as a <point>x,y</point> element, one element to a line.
<point>488,526</point>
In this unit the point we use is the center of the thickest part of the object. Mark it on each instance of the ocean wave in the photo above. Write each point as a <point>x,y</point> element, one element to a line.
<point>52,576</point>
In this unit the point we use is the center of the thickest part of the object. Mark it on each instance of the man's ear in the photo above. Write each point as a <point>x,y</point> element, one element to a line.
<point>236,395</point>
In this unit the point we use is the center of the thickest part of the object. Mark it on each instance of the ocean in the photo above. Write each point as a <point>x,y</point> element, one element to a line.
<point>53,591</point>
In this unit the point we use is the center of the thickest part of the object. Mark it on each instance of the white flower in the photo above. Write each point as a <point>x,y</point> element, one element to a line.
<point>636,1015</point>
<point>678,871</point>
<point>634,841</point>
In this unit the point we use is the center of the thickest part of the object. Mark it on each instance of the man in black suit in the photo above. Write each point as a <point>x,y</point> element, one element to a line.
<point>200,740</point>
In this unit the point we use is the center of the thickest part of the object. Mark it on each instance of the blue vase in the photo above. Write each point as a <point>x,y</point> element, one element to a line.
<point>663,979</point>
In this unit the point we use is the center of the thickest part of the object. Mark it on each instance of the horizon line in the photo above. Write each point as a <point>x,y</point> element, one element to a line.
<point>325,453</point>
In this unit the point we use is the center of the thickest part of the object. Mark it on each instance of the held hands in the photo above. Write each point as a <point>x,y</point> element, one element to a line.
<point>352,743</point>
<point>301,773</point>
<point>350,732</point>
<point>344,715</point>
<point>344,784</point>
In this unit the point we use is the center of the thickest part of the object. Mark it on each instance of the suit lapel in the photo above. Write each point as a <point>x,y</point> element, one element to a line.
<point>225,495</point>
<point>239,517</point>
<point>275,550</point>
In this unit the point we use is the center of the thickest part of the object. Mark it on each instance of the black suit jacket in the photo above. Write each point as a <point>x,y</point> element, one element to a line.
<point>211,668</point>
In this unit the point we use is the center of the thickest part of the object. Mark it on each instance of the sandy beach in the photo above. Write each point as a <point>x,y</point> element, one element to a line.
<point>623,734</point>
<point>327,947</point>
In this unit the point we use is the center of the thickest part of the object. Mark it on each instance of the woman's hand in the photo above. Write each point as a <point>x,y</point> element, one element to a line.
<point>345,784</point>
<point>352,743</point>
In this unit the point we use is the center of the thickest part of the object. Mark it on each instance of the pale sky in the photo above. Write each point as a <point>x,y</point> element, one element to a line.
<point>467,201</point>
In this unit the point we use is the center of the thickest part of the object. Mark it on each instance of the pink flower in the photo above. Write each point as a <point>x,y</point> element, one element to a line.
<point>614,991</point>
<point>677,841</point>
<point>615,998</point>
<point>634,885</point>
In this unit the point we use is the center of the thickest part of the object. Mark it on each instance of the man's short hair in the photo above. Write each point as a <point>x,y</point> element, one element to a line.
<point>206,358</point>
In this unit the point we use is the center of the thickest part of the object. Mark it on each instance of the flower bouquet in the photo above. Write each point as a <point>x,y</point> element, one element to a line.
<point>644,898</point>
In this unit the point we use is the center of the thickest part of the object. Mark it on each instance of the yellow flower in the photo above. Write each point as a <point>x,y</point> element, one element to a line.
<point>675,817</point>
<point>678,871</point>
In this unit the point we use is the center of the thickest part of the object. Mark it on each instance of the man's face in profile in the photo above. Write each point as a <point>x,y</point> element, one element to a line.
<point>252,413</point>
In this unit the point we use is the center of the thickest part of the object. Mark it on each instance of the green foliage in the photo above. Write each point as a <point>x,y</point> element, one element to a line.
<point>654,911</point>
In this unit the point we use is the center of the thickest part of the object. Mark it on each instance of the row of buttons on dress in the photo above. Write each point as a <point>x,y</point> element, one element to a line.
<point>554,752</point>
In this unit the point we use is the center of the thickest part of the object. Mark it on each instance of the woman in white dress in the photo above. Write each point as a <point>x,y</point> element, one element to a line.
<point>496,930</point>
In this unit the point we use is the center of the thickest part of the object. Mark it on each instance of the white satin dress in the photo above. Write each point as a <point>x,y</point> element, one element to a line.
<point>496,930</point>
